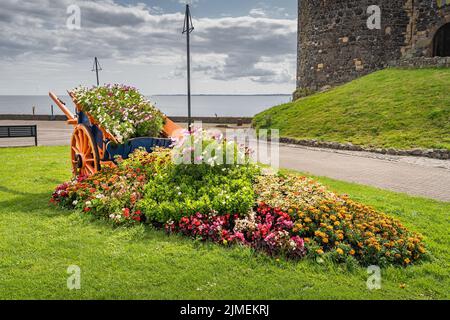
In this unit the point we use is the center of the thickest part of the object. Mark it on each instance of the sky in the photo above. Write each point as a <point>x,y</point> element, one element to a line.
<point>238,46</point>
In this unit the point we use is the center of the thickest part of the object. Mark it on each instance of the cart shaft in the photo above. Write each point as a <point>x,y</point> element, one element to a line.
<point>71,119</point>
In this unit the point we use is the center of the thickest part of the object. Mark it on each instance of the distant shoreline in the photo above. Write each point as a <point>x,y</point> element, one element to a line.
<point>171,95</point>
<point>178,119</point>
<point>202,105</point>
<point>221,95</point>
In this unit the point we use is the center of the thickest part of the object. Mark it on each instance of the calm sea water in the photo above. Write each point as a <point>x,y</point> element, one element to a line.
<point>202,106</point>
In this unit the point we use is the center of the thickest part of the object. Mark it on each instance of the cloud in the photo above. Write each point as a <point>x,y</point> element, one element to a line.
<point>257,12</point>
<point>251,47</point>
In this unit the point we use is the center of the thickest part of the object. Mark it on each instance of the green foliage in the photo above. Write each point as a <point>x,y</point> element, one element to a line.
<point>396,108</point>
<point>184,190</point>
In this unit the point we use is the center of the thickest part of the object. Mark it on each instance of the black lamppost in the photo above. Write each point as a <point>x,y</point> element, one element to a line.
<point>187,29</point>
<point>96,67</point>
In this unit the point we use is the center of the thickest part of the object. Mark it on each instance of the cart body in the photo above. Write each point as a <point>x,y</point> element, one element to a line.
<point>93,146</point>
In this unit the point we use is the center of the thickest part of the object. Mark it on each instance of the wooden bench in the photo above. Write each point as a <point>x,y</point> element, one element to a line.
<point>19,132</point>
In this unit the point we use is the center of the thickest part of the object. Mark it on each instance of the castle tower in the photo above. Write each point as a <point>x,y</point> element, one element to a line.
<point>341,40</point>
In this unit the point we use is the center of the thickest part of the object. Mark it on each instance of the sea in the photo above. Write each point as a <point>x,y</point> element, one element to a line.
<point>176,105</point>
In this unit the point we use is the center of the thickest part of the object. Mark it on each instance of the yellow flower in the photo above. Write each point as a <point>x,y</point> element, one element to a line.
<point>340,236</point>
<point>407,261</point>
<point>352,252</point>
<point>340,251</point>
<point>325,240</point>
<point>319,251</point>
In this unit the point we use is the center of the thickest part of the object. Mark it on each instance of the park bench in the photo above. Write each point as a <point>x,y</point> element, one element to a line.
<point>19,132</point>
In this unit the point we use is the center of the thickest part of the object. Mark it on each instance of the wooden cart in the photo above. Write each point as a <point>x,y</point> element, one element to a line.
<point>93,146</point>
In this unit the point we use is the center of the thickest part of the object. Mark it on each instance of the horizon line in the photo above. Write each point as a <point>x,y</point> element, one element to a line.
<point>177,94</point>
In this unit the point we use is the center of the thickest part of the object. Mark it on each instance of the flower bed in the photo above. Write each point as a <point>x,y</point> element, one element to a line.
<point>114,193</point>
<point>281,215</point>
<point>268,230</point>
<point>339,226</point>
<point>121,110</point>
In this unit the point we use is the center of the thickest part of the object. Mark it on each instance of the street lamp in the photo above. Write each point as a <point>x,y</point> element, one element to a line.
<point>187,29</point>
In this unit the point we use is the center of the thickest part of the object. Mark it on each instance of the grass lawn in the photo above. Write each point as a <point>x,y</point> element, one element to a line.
<point>396,108</point>
<point>38,242</point>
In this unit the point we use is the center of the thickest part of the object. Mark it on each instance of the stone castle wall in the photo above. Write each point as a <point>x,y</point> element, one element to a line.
<point>335,44</point>
<point>426,17</point>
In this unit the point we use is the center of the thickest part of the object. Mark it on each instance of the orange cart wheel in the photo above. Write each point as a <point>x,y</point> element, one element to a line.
<point>85,158</point>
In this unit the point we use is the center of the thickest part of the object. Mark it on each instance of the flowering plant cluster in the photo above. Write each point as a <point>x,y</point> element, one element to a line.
<point>281,215</point>
<point>121,110</point>
<point>206,227</point>
<point>338,227</point>
<point>267,230</point>
<point>208,147</point>
<point>271,230</point>
<point>291,191</point>
<point>114,193</point>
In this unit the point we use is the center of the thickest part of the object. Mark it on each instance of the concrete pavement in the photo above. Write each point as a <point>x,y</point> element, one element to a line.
<point>423,177</point>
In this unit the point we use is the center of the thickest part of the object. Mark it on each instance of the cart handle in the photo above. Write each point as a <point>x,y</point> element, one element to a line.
<point>70,116</point>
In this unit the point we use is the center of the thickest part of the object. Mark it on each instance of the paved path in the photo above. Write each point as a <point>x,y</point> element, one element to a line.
<point>413,175</point>
<point>416,176</point>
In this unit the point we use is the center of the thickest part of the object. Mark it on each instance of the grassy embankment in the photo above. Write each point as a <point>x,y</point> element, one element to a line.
<point>393,108</point>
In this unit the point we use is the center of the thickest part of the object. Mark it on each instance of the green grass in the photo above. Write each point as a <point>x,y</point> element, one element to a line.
<point>396,108</point>
<point>38,242</point>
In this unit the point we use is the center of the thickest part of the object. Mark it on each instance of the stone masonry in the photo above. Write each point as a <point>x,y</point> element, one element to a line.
<point>336,45</point>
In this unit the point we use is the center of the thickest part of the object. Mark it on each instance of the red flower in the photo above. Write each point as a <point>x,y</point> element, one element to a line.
<point>126,212</point>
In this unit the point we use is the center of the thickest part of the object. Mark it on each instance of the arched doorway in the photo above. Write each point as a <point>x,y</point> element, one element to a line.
<point>441,42</point>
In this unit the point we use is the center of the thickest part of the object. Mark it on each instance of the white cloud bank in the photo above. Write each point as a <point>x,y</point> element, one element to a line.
<point>252,48</point>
